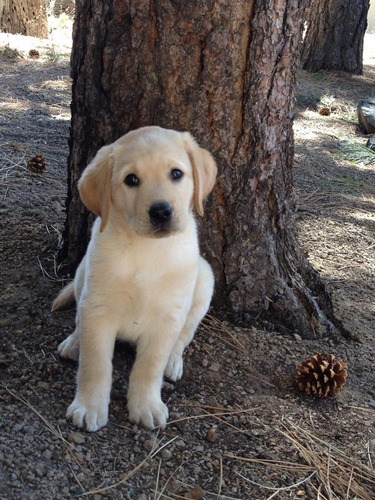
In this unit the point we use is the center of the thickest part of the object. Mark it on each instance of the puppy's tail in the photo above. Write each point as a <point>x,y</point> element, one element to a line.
<point>64,298</point>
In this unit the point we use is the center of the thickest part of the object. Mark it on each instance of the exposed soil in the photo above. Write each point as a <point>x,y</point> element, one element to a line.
<point>238,427</point>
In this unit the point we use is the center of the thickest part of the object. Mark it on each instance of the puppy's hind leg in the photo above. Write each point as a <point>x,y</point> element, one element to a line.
<point>201,301</point>
<point>69,348</point>
<point>64,298</point>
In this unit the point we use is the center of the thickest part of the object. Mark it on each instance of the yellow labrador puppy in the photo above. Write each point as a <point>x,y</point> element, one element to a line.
<point>142,279</point>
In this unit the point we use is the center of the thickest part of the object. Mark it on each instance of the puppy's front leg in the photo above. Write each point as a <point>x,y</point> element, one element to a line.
<point>144,400</point>
<point>90,406</point>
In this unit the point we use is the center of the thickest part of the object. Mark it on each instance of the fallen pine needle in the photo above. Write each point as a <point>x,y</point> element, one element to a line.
<point>47,424</point>
<point>212,415</point>
<point>131,473</point>
<point>338,475</point>
<point>161,493</point>
<point>212,325</point>
<point>157,480</point>
<point>294,485</point>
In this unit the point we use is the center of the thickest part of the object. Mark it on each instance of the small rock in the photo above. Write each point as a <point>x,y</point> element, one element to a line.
<point>197,470</point>
<point>215,367</point>
<point>366,114</point>
<point>28,429</point>
<point>195,494</point>
<point>371,143</point>
<point>180,444</point>
<point>149,444</point>
<point>166,454</point>
<point>76,438</point>
<point>268,455</point>
<point>43,385</point>
<point>212,435</point>
<point>167,386</point>
<point>47,454</point>
<point>39,472</point>
<point>57,207</point>
<point>6,461</point>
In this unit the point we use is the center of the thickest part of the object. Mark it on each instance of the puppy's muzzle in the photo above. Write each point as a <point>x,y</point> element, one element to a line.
<point>161,216</point>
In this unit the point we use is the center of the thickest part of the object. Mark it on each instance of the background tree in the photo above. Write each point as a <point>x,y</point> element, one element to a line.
<point>226,72</point>
<point>334,35</point>
<point>24,17</point>
<point>60,6</point>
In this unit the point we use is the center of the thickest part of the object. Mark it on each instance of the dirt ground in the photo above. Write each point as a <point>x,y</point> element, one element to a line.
<point>238,427</point>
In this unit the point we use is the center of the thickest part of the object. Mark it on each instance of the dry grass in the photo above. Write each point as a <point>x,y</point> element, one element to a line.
<point>218,329</point>
<point>355,152</point>
<point>158,447</point>
<point>338,474</point>
<point>330,472</point>
<point>323,468</point>
<point>319,201</point>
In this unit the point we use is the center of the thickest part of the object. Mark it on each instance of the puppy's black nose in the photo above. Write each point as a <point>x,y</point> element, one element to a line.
<point>160,214</point>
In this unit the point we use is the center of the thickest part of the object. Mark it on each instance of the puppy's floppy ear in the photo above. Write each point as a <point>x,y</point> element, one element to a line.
<point>204,171</point>
<point>94,185</point>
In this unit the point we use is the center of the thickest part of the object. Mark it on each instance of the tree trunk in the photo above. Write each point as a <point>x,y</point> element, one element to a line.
<point>334,35</point>
<point>226,72</point>
<point>24,17</point>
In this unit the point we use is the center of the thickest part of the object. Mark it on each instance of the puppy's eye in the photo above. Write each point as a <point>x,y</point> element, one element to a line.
<point>176,174</point>
<point>131,180</point>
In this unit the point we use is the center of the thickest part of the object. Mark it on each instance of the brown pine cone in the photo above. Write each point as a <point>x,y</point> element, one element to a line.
<point>34,54</point>
<point>325,111</point>
<point>37,164</point>
<point>321,376</point>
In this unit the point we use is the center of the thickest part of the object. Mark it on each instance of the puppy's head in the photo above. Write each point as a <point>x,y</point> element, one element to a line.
<point>150,179</point>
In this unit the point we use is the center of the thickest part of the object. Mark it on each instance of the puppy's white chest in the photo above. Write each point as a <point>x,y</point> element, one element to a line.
<point>149,296</point>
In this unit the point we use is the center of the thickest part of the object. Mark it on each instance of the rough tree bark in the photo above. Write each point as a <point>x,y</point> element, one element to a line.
<point>334,35</point>
<point>24,17</point>
<point>226,72</point>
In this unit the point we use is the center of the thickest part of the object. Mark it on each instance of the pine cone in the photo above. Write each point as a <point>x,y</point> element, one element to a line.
<point>325,111</point>
<point>34,54</point>
<point>321,376</point>
<point>37,164</point>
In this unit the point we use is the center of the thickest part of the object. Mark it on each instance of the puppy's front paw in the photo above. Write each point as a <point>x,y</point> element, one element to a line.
<point>150,412</point>
<point>174,368</point>
<point>69,348</point>
<point>91,417</point>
